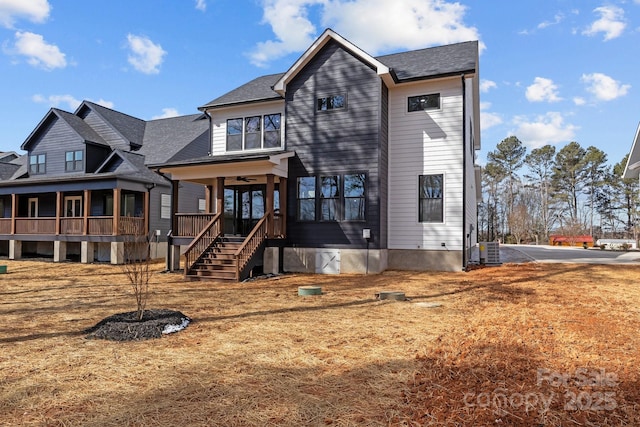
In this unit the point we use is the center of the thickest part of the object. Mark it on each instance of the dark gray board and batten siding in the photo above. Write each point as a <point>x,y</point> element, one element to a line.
<point>336,142</point>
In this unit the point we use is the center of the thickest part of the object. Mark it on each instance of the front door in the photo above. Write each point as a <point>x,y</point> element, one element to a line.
<point>73,206</point>
<point>244,206</point>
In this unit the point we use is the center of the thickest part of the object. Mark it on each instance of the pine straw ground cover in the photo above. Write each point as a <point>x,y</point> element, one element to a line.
<point>517,345</point>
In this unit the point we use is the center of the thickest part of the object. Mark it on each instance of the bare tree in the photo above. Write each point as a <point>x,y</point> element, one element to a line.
<point>137,268</point>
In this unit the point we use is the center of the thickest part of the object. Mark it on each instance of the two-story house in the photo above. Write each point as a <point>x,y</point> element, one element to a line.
<point>83,188</point>
<point>344,163</point>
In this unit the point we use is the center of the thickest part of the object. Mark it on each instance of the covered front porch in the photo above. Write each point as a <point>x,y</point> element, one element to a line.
<point>244,207</point>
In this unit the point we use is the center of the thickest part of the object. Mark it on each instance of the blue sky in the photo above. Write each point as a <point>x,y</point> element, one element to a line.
<point>552,71</point>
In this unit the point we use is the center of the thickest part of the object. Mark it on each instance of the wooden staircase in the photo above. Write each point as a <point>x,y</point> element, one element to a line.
<point>218,261</point>
<point>211,255</point>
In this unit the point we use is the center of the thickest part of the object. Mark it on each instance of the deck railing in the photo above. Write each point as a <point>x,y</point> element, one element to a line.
<point>71,225</point>
<point>251,244</point>
<point>187,225</point>
<point>202,241</point>
<point>35,225</point>
<point>5,225</point>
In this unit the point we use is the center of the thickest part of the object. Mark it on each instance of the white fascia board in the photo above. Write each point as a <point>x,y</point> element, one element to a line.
<point>632,169</point>
<point>281,85</point>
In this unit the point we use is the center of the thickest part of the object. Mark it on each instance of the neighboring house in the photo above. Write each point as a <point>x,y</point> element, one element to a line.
<point>632,169</point>
<point>344,163</point>
<point>83,188</point>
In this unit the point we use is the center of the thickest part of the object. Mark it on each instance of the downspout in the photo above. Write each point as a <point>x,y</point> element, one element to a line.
<point>464,172</point>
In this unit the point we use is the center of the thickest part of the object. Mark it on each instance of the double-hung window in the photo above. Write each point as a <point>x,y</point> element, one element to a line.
<point>354,199</point>
<point>431,198</point>
<point>306,210</point>
<point>254,132</point>
<point>329,198</point>
<point>37,163</point>
<point>73,161</point>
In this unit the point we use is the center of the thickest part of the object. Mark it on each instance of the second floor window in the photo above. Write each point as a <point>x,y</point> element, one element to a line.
<point>423,102</point>
<point>334,102</point>
<point>73,161</point>
<point>37,163</point>
<point>254,132</point>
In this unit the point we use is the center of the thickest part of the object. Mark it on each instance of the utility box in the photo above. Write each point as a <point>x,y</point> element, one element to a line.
<point>489,253</point>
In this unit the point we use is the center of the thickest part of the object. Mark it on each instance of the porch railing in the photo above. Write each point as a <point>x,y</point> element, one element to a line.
<point>97,225</point>
<point>251,244</point>
<point>202,241</point>
<point>5,225</point>
<point>191,224</point>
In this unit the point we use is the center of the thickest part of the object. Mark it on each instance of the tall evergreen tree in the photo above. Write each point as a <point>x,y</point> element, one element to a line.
<point>509,156</point>
<point>567,178</point>
<point>540,163</point>
<point>595,170</point>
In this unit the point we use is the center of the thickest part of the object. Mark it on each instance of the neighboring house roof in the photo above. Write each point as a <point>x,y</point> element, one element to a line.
<point>423,64</point>
<point>130,128</point>
<point>82,129</point>
<point>129,165</point>
<point>166,138</point>
<point>8,156</point>
<point>632,169</point>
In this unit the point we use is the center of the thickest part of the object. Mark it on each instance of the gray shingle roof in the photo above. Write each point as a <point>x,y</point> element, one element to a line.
<point>406,66</point>
<point>433,61</point>
<point>131,128</point>
<point>258,89</point>
<point>164,138</point>
<point>80,127</point>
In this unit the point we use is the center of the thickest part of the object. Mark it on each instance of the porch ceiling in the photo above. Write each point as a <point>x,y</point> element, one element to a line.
<point>253,169</point>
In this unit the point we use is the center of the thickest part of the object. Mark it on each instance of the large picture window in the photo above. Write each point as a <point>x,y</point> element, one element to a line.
<point>254,132</point>
<point>430,198</point>
<point>424,102</point>
<point>37,163</point>
<point>340,198</point>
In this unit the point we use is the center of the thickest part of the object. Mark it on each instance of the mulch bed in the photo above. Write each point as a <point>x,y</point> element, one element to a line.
<point>125,326</point>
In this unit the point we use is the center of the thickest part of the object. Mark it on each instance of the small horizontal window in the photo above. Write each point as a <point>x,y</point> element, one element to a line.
<point>424,102</point>
<point>333,102</point>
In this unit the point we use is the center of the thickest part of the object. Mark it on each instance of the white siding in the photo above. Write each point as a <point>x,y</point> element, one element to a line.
<point>471,202</point>
<point>425,143</point>
<point>219,122</point>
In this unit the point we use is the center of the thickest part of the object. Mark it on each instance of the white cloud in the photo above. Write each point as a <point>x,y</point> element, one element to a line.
<point>145,56</point>
<point>33,10</point>
<point>406,24</point>
<point>611,22</point>
<point>486,85</point>
<point>546,129</point>
<point>558,18</point>
<point>201,5</point>
<point>578,100</point>
<point>542,90</point>
<point>603,87</point>
<point>69,101</point>
<point>38,52</point>
<point>487,119</point>
<point>166,113</point>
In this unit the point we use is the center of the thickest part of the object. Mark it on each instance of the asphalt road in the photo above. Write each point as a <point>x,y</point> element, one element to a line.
<point>562,254</point>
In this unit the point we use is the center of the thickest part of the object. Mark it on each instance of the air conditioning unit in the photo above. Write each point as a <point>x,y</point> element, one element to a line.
<point>489,253</point>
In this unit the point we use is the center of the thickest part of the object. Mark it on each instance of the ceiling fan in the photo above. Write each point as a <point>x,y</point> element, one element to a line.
<point>245,179</point>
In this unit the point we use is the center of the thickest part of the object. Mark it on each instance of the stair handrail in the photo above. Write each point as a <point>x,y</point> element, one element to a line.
<point>251,243</point>
<point>201,242</point>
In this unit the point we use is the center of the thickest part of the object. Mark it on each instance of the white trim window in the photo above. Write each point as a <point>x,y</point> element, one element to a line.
<point>165,206</point>
<point>254,132</point>
<point>431,198</point>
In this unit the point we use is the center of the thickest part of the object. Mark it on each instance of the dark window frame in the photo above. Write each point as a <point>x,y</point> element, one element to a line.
<point>38,167</point>
<point>333,206</point>
<point>75,164</point>
<point>306,196</point>
<point>424,102</point>
<point>337,102</point>
<point>431,192</point>
<point>245,130</point>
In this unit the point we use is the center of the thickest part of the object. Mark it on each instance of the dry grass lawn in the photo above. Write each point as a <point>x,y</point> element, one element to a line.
<point>517,345</point>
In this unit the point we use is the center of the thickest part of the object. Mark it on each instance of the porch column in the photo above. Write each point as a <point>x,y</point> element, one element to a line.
<point>58,210</point>
<point>283,205</point>
<point>269,205</point>
<point>147,198</point>
<point>175,188</point>
<point>220,201</point>
<point>87,212</point>
<point>14,212</point>
<point>116,211</point>
<point>208,199</point>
